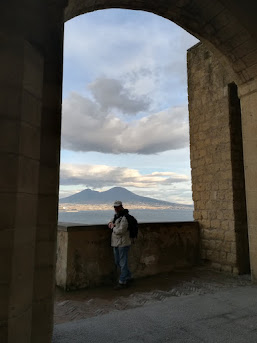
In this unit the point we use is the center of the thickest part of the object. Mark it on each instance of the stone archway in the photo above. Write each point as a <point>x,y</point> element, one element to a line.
<point>31,35</point>
<point>218,24</point>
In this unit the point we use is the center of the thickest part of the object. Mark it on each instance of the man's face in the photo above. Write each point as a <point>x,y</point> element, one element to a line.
<point>117,209</point>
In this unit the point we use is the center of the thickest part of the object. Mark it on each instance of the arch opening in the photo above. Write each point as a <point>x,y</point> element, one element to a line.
<point>31,51</point>
<point>147,94</point>
<point>211,23</point>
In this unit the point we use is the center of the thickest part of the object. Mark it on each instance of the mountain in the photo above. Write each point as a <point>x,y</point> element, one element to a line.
<point>90,197</point>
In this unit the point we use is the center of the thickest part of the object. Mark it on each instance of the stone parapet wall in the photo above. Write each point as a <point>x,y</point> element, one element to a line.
<point>85,257</point>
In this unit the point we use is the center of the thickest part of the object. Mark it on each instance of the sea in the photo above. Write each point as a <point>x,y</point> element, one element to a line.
<point>142,216</point>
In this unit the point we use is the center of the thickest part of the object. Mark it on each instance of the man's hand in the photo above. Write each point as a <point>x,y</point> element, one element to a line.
<point>111,225</point>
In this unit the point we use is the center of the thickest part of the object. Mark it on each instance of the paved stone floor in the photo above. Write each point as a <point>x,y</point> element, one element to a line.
<point>186,306</point>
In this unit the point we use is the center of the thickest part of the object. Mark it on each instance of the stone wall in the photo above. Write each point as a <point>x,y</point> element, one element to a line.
<point>31,35</point>
<point>238,180</point>
<point>85,258</point>
<point>217,162</point>
<point>248,96</point>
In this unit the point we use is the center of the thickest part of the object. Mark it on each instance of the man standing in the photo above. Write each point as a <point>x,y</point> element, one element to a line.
<point>121,243</point>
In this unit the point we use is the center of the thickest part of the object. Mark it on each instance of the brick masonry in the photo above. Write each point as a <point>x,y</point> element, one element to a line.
<point>217,162</point>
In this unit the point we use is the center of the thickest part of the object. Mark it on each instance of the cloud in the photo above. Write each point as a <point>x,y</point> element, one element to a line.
<point>127,73</point>
<point>145,50</point>
<point>100,176</point>
<point>183,195</point>
<point>146,55</point>
<point>111,94</point>
<point>86,127</point>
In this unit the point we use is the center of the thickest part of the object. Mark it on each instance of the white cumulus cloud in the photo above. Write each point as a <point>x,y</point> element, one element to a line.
<point>87,127</point>
<point>100,176</point>
<point>111,93</point>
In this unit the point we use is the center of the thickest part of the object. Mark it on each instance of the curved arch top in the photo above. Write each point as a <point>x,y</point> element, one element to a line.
<point>213,22</point>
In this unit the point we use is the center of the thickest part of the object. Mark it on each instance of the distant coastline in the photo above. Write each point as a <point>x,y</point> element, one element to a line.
<point>72,207</point>
<point>90,200</point>
<point>143,216</point>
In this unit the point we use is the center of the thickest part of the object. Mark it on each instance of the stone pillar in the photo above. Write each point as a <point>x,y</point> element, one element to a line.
<point>21,76</point>
<point>48,195</point>
<point>248,95</point>
<point>217,162</point>
<point>31,38</point>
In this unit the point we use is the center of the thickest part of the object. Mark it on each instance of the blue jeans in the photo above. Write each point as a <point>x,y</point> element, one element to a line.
<point>121,261</point>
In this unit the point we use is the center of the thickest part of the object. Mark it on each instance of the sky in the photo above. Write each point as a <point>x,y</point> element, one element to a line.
<point>125,115</point>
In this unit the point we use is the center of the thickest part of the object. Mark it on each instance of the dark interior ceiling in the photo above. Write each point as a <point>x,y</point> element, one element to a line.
<point>245,11</point>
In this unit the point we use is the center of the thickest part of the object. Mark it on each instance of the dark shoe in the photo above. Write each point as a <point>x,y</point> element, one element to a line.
<point>131,280</point>
<point>120,286</point>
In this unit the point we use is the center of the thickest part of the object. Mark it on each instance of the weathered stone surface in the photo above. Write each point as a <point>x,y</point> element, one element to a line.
<point>217,162</point>
<point>248,94</point>
<point>85,258</point>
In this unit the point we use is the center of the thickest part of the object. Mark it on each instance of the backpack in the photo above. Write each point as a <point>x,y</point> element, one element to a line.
<point>132,226</point>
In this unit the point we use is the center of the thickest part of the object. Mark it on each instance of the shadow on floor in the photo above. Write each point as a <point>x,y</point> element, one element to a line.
<point>70,306</point>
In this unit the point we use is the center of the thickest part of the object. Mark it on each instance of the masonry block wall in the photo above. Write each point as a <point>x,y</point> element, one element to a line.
<point>217,162</point>
<point>248,97</point>
<point>85,259</point>
<point>21,100</point>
